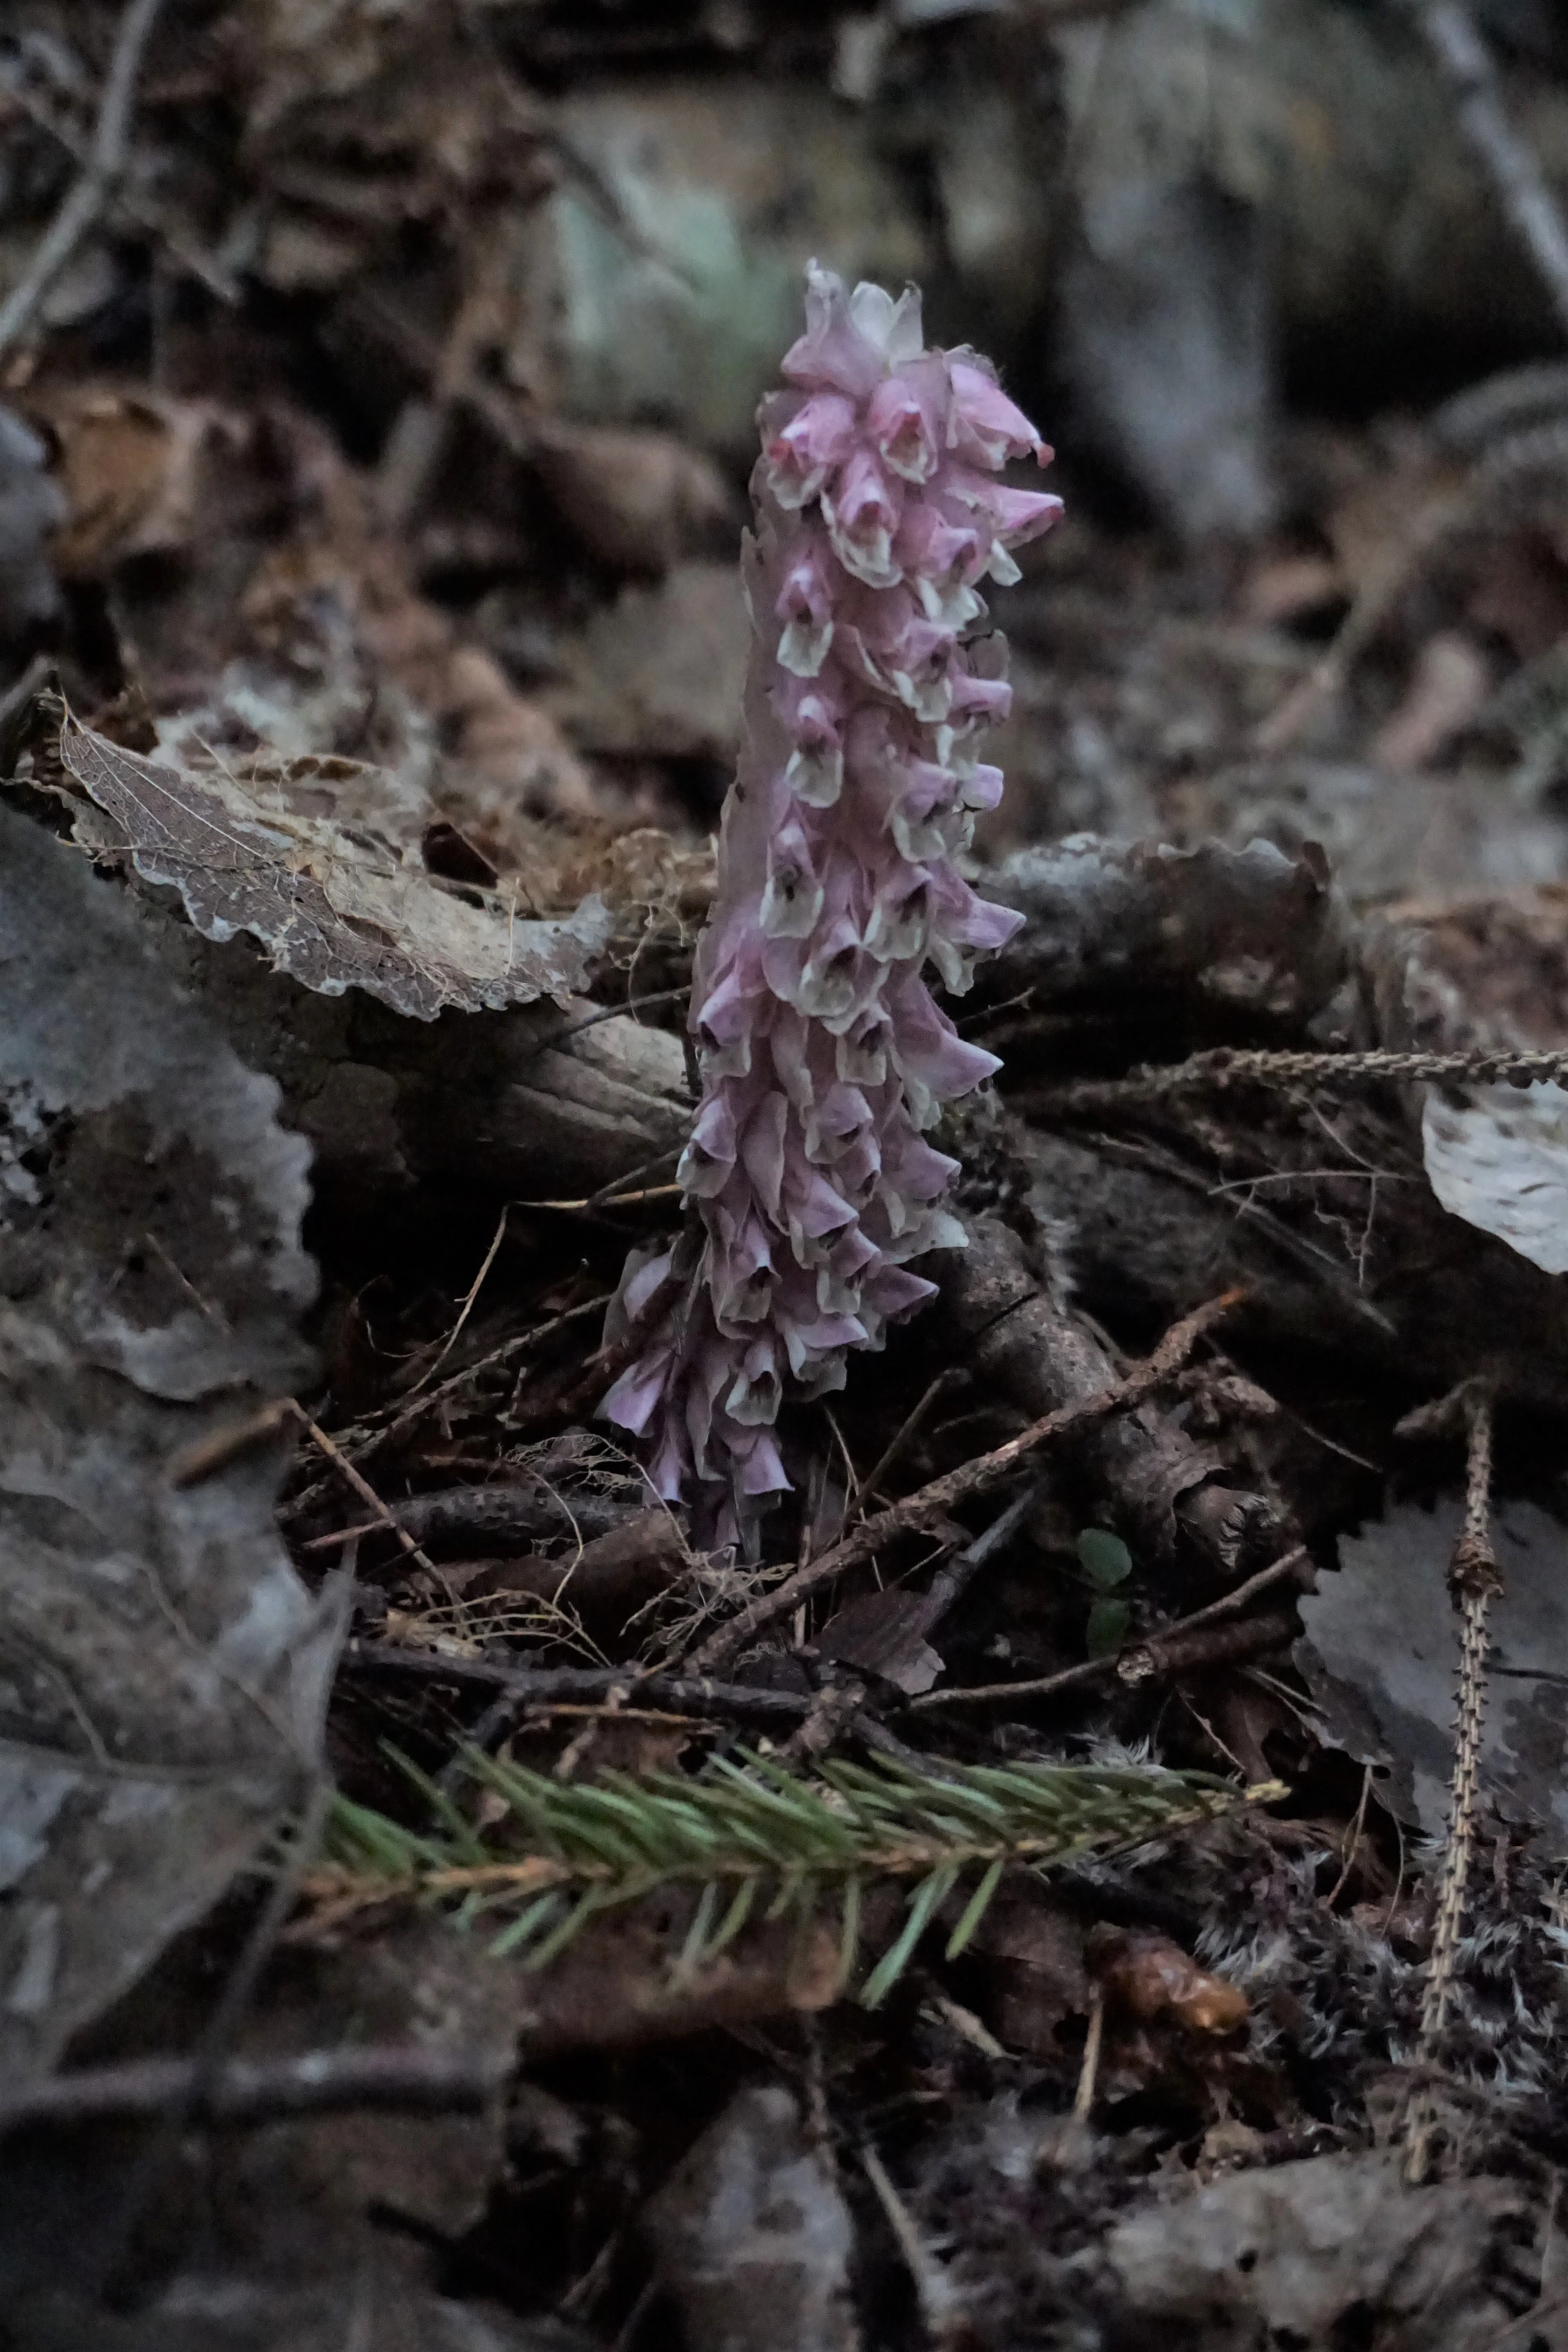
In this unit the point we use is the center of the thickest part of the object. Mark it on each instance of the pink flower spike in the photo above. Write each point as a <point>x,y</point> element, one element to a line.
<point>631,1403</point>
<point>808,1187</point>
<point>986,701</point>
<point>792,898</point>
<point>1014,516</point>
<point>710,1153</point>
<point>892,329</point>
<point>760,1470</point>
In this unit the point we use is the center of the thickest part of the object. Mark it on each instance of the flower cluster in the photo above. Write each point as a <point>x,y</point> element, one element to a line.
<point>823,1055</point>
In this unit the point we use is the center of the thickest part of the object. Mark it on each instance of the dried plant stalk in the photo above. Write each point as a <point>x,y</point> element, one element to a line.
<point>1473,1580</point>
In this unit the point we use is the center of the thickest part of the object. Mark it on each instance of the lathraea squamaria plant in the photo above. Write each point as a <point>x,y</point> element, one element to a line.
<point>877,512</point>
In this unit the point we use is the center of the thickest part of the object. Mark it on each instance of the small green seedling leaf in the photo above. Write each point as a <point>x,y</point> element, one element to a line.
<point>1104,1559</point>
<point>1107,1628</point>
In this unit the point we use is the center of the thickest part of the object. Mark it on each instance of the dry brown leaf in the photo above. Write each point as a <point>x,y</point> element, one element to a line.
<point>1146,1976</point>
<point>334,908</point>
<point>130,466</point>
<point>637,500</point>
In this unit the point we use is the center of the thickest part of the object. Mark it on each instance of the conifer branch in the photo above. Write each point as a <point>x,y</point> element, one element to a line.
<point>755,1839</point>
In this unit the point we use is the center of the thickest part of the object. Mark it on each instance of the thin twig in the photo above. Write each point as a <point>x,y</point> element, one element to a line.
<point>209,1456</point>
<point>600,1370</point>
<point>1473,1580</point>
<point>368,1495</point>
<point>87,196</point>
<point>147,213</point>
<point>1511,164</point>
<point>941,2305</point>
<point>1083,2098</point>
<point>378,1434</point>
<point>612,1012</point>
<point>954,1578</point>
<point>901,1436</point>
<point>1137,1664</point>
<point>976,1477</point>
<point>455,1334</point>
<point>1353,1843</point>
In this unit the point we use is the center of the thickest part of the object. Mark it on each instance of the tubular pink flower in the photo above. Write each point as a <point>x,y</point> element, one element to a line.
<point>983,424</point>
<point>803,454</point>
<point>809,1184</point>
<point>862,514</point>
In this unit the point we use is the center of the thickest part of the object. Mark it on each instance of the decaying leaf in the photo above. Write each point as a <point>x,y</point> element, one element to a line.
<point>1384,1629</point>
<point>753,2236</point>
<point>1304,2253</point>
<point>335,907</point>
<point>1499,1160</point>
<point>130,463</point>
<point>163,1670</point>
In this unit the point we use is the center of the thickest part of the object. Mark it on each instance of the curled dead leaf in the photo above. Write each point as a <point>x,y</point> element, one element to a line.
<point>334,908</point>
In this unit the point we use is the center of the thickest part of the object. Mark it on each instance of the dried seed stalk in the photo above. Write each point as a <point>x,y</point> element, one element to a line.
<point>1473,1578</point>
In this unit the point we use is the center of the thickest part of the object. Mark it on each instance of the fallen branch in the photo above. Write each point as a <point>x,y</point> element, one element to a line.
<point>543,1685</point>
<point>976,1477</point>
<point>1159,1482</point>
<point>750,1836</point>
<point>1172,1652</point>
<point>389,2078</point>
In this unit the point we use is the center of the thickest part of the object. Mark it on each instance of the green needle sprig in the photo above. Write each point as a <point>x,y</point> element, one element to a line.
<point>755,1840</point>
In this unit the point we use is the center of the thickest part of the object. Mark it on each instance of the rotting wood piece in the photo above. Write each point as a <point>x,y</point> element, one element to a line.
<point>1166,1491</point>
<point>1251,930</point>
<point>605,1584</point>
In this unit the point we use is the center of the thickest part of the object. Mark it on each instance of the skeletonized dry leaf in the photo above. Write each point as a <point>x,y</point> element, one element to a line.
<point>1384,1629</point>
<point>336,906</point>
<point>1501,1161</point>
<point>163,1670</point>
